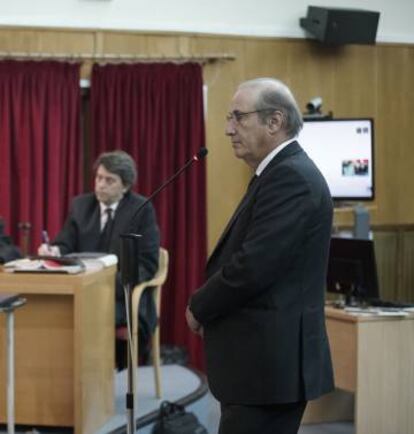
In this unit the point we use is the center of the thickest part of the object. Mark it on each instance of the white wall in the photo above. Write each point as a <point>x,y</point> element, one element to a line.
<point>237,17</point>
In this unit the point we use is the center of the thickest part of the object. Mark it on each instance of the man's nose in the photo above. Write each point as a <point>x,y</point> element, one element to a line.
<point>100,183</point>
<point>230,130</point>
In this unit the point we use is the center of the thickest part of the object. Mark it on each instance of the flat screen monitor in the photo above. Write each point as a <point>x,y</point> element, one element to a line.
<point>343,150</point>
<point>352,269</point>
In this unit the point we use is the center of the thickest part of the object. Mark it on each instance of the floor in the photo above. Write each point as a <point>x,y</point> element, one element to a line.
<point>328,428</point>
<point>325,428</point>
<point>179,384</point>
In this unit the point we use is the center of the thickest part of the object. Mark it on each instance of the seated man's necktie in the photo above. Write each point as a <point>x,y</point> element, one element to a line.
<point>105,237</point>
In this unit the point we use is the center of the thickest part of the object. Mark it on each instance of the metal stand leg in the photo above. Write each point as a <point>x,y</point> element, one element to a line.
<point>7,307</point>
<point>10,372</point>
<point>130,277</point>
<point>130,397</point>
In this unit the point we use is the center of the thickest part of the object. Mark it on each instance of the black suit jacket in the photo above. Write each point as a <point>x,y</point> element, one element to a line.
<point>262,306</point>
<point>81,233</point>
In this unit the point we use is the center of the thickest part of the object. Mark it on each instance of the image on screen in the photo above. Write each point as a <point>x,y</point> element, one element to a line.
<point>343,150</point>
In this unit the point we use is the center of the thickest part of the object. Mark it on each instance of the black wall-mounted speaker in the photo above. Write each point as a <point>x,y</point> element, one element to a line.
<point>341,26</point>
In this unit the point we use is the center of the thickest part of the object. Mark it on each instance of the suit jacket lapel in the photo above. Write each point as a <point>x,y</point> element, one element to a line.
<point>119,219</point>
<point>92,222</point>
<point>242,205</point>
<point>291,149</point>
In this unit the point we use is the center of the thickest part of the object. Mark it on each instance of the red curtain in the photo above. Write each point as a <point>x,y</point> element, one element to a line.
<point>155,113</point>
<point>40,145</point>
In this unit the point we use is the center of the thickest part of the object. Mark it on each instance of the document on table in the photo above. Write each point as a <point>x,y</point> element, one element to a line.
<point>376,311</point>
<point>44,265</point>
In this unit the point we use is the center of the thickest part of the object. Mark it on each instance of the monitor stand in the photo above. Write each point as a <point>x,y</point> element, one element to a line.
<point>361,227</point>
<point>361,222</point>
<point>339,303</point>
<point>348,300</point>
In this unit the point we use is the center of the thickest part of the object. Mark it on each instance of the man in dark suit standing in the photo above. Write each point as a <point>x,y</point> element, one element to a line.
<point>261,310</point>
<point>96,221</point>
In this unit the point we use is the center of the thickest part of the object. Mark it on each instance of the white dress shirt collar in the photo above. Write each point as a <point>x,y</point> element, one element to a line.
<point>104,215</point>
<point>269,157</point>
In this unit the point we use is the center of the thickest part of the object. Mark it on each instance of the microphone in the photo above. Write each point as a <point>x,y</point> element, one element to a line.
<point>130,241</point>
<point>196,157</point>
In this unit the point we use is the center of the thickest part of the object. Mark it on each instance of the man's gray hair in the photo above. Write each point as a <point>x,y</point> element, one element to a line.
<point>275,95</point>
<point>120,163</point>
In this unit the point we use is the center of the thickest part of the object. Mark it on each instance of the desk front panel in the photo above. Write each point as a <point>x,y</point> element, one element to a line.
<point>343,342</point>
<point>43,361</point>
<point>64,349</point>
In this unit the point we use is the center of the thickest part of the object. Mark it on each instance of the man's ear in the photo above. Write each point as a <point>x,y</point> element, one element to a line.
<point>275,121</point>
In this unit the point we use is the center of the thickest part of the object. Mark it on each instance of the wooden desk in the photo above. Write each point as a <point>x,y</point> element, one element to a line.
<point>373,358</point>
<point>64,349</point>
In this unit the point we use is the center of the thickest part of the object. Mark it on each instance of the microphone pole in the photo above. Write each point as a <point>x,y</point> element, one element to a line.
<point>129,266</point>
<point>196,157</point>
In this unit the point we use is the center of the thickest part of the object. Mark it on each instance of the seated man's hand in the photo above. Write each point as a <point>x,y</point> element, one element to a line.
<point>48,250</point>
<point>192,323</point>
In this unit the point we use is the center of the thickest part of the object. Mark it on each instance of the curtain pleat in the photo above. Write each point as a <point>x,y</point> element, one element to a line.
<point>40,145</point>
<point>155,113</point>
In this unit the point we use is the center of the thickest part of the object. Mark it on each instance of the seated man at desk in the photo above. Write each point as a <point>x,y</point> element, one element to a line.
<point>96,221</point>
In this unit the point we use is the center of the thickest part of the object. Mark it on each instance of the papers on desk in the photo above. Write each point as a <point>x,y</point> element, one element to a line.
<point>45,264</point>
<point>99,262</point>
<point>409,309</point>
<point>377,311</point>
<point>73,264</point>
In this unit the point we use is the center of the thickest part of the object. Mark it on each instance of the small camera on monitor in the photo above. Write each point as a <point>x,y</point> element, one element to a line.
<point>314,105</point>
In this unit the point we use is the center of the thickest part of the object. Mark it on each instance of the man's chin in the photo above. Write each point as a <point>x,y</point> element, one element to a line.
<point>102,198</point>
<point>238,153</point>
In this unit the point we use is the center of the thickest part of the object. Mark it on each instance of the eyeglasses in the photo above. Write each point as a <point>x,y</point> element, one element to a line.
<point>237,115</point>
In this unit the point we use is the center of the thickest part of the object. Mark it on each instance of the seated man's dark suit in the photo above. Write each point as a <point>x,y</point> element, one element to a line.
<point>262,307</point>
<point>81,233</point>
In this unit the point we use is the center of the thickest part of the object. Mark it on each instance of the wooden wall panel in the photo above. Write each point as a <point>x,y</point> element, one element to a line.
<point>394,131</point>
<point>227,178</point>
<point>123,43</point>
<point>394,251</point>
<point>406,289</point>
<point>356,81</point>
<point>352,80</point>
<point>386,253</point>
<point>46,41</point>
<point>267,59</point>
<point>311,72</point>
<point>167,45</point>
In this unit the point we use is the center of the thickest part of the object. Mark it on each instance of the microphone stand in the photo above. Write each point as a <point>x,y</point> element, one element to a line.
<point>129,278</point>
<point>129,267</point>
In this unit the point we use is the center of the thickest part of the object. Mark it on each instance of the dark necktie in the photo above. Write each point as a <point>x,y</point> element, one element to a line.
<point>105,237</point>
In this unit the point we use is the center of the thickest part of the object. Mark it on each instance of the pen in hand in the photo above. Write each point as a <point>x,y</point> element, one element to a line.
<point>46,248</point>
<point>45,238</point>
